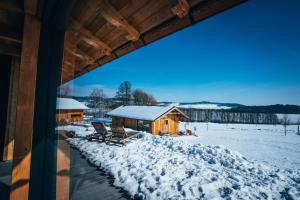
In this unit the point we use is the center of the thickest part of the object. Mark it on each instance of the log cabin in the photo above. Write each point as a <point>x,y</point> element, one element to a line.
<point>69,110</point>
<point>45,43</point>
<point>153,119</point>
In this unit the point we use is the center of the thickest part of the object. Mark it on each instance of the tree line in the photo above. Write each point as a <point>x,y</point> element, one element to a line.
<point>100,104</point>
<point>230,116</point>
<point>136,97</point>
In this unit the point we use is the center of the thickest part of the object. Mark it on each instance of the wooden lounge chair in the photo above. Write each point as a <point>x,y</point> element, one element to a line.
<point>100,132</point>
<point>120,136</point>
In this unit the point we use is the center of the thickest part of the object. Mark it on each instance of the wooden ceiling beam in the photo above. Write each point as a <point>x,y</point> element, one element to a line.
<point>90,38</point>
<point>181,9</point>
<point>112,16</point>
<point>80,54</point>
<point>11,6</point>
<point>9,35</point>
<point>10,49</point>
<point>68,69</point>
<point>69,63</point>
<point>71,42</point>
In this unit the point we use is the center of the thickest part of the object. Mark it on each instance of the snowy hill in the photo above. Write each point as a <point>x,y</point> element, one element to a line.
<point>204,106</point>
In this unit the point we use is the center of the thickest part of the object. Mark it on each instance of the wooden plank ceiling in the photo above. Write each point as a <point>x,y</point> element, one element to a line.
<point>103,30</point>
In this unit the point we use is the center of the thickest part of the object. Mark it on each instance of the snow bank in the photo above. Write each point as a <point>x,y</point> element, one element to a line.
<point>156,167</point>
<point>262,143</point>
<point>80,130</point>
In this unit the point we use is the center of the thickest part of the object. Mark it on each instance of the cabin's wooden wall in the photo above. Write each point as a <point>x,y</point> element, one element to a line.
<point>126,122</point>
<point>160,126</point>
<point>118,121</point>
<point>156,127</point>
<point>66,115</point>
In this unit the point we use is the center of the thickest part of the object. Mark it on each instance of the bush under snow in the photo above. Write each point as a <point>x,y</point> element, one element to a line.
<point>155,167</point>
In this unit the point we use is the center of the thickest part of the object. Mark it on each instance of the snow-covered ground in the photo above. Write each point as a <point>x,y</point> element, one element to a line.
<point>263,143</point>
<point>81,130</point>
<point>206,166</point>
<point>155,167</point>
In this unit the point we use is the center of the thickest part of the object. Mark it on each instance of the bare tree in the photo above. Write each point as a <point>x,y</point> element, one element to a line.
<point>298,130</point>
<point>98,101</point>
<point>64,91</point>
<point>142,98</point>
<point>285,122</point>
<point>124,92</point>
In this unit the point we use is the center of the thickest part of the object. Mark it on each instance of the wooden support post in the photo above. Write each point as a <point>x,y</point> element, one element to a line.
<point>62,168</point>
<point>25,109</point>
<point>44,151</point>
<point>12,109</point>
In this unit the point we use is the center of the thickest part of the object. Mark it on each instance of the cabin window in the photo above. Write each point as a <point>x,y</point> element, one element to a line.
<point>167,122</point>
<point>76,116</point>
<point>143,125</point>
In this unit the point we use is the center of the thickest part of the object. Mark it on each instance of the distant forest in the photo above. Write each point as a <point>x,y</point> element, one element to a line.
<point>278,108</point>
<point>242,114</point>
<point>230,116</point>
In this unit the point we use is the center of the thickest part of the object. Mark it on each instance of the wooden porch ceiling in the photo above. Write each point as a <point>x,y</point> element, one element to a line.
<point>100,31</point>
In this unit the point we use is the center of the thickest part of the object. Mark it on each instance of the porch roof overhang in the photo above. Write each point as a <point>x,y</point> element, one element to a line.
<point>100,31</point>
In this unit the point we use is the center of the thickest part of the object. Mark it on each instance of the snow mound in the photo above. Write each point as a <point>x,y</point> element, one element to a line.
<point>154,167</point>
<point>80,130</point>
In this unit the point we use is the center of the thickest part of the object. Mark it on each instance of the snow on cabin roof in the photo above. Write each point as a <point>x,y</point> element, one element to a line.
<point>149,113</point>
<point>69,104</point>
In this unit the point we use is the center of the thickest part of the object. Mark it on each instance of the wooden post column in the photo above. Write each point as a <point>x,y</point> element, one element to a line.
<point>12,109</point>
<point>25,109</point>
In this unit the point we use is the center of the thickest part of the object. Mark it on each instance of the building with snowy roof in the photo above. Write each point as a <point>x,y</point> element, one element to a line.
<point>153,119</point>
<point>69,110</point>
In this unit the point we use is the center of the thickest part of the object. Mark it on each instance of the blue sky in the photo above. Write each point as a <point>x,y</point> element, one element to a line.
<point>249,54</point>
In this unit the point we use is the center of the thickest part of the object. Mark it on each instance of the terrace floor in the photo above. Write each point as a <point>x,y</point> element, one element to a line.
<point>86,181</point>
<point>5,179</point>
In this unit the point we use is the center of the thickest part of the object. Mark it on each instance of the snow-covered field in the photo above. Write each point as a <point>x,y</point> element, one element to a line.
<point>206,166</point>
<point>293,118</point>
<point>262,143</point>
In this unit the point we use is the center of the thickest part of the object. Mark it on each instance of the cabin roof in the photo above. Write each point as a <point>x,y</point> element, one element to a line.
<point>69,104</point>
<point>148,113</point>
